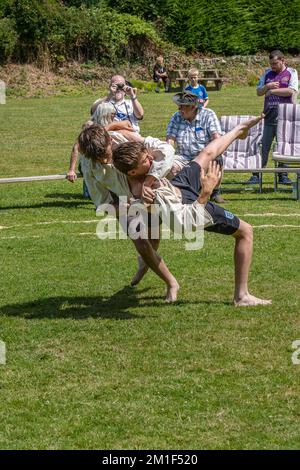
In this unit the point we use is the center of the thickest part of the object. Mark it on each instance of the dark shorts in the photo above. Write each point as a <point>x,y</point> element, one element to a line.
<point>188,181</point>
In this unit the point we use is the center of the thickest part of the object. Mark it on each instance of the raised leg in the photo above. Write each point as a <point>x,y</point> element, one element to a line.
<point>218,146</point>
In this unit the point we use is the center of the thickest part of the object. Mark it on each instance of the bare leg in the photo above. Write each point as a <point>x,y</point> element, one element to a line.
<point>142,266</point>
<point>242,261</point>
<point>156,263</point>
<point>218,146</point>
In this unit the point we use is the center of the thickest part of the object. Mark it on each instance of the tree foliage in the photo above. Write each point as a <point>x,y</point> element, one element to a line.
<point>110,31</point>
<point>226,26</point>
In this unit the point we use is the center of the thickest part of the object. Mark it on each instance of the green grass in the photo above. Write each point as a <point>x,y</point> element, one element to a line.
<point>92,363</point>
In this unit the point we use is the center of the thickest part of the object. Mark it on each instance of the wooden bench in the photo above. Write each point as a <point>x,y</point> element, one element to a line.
<point>211,75</point>
<point>180,77</point>
<point>269,170</point>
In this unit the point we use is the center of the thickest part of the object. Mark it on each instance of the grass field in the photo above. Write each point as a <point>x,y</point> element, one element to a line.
<point>93,363</point>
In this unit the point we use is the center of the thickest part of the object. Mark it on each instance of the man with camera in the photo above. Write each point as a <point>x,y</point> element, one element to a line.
<point>126,109</point>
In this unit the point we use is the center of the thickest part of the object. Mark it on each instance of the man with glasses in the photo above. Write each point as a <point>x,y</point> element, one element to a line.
<point>126,109</point>
<point>278,84</point>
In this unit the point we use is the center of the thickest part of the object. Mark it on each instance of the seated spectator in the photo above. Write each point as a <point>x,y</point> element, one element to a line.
<point>160,74</point>
<point>126,109</point>
<point>191,129</point>
<point>196,88</point>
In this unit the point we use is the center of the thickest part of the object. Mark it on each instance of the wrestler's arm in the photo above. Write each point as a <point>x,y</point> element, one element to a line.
<point>71,174</point>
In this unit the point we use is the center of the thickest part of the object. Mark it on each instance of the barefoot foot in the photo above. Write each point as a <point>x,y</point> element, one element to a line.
<point>249,300</point>
<point>246,125</point>
<point>172,293</point>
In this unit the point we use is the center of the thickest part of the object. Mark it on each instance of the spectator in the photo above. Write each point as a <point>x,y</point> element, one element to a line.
<point>126,109</point>
<point>191,129</point>
<point>196,88</point>
<point>279,84</point>
<point>160,74</point>
<point>121,131</point>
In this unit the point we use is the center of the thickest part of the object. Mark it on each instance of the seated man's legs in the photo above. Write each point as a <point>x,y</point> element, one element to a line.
<point>158,82</point>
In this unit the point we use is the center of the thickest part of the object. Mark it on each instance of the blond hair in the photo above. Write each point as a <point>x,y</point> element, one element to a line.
<point>104,114</point>
<point>193,71</point>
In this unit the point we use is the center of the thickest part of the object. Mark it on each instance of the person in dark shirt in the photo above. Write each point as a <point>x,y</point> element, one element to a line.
<point>160,74</point>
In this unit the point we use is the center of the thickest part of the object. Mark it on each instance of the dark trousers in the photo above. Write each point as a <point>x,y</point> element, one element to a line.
<point>269,134</point>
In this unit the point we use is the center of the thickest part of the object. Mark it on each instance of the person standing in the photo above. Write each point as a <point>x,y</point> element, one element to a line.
<point>126,109</point>
<point>196,88</point>
<point>279,84</point>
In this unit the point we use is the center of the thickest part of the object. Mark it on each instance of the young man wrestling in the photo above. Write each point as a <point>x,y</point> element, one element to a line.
<point>185,193</point>
<point>106,184</point>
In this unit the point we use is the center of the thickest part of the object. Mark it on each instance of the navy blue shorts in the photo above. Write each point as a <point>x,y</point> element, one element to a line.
<point>188,181</point>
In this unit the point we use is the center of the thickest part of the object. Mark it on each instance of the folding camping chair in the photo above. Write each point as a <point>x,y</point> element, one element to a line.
<point>287,149</point>
<point>243,154</point>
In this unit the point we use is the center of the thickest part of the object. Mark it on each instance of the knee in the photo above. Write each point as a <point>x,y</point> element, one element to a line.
<point>246,231</point>
<point>142,245</point>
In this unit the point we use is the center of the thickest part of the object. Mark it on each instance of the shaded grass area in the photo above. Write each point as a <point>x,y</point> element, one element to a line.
<point>93,363</point>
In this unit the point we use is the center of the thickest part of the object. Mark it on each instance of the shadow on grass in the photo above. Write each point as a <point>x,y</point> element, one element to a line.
<point>45,205</point>
<point>78,308</point>
<point>186,302</point>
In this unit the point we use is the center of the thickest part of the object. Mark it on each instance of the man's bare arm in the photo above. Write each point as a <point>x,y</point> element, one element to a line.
<point>281,92</point>
<point>71,174</point>
<point>264,89</point>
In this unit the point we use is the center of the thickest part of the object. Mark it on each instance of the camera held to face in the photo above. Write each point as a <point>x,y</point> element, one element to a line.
<point>120,86</point>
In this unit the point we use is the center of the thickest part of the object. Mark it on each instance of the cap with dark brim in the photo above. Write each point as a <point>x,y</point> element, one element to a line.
<point>185,98</point>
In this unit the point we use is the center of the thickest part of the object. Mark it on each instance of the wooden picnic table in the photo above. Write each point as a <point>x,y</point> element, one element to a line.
<point>180,77</point>
<point>211,75</point>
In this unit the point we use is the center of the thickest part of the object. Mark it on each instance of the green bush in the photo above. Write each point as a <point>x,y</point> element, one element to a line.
<point>111,32</point>
<point>8,38</point>
<point>143,85</point>
<point>107,36</point>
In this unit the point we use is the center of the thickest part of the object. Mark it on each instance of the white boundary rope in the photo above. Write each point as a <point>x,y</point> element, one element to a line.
<point>28,179</point>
